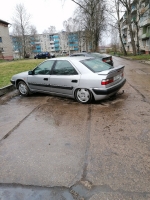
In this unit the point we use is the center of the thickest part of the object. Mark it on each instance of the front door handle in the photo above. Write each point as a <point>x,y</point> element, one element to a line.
<point>45,79</point>
<point>74,81</point>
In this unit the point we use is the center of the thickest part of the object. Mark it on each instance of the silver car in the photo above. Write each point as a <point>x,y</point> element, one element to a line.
<point>82,78</point>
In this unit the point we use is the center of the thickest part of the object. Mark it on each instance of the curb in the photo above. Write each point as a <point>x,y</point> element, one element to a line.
<point>6,89</point>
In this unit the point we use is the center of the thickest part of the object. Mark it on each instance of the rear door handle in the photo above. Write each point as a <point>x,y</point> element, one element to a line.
<point>74,81</point>
<point>45,79</point>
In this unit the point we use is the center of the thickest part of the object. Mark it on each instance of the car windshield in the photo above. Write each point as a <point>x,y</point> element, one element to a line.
<point>96,65</point>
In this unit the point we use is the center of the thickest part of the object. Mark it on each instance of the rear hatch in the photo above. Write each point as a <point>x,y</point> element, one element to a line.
<point>112,76</point>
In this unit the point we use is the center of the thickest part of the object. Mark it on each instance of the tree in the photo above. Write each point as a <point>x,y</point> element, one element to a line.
<point>114,10</point>
<point>128,6</point>
<point>33,38</point>
<point>114,38</point>
<point>117,5</point>
<point>51,29</point>
<point>21,27</point>
<point>92,14</point>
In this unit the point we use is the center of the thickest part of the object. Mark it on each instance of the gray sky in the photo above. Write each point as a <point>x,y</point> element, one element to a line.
<point>44,13</point>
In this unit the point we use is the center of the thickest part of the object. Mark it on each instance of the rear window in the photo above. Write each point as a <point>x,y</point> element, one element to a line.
<point>96,65</point>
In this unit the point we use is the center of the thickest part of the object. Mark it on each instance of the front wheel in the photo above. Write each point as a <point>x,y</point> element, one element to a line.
<point>83,95</point>
<point>23,89</point>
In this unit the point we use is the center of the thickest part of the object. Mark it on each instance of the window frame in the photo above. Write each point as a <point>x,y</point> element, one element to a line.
<point>57,74</point>
<point>42,64</point>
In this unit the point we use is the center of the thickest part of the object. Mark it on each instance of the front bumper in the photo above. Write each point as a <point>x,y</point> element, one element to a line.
<point>107,91</point>
<point>13,82</point>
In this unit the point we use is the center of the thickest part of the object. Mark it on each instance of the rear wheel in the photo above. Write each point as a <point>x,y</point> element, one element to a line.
<point>23,88</point>
<point>83,95</point>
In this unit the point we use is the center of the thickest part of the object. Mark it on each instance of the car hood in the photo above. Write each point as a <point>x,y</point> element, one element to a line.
<point>22,74</point>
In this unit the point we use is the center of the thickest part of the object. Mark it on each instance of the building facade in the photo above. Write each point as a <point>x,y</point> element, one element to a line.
<point>61,43</point>
<point>6,52</point>
<point>144,25</point>
<point>140,16</point>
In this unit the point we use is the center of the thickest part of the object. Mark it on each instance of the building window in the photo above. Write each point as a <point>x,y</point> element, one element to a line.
<point>148,30</point>
<point>0,39</point>
<point>148,42</point>
<point>144,43</point>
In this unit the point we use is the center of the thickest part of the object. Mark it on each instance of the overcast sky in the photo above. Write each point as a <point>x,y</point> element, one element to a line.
<point>44,13</point>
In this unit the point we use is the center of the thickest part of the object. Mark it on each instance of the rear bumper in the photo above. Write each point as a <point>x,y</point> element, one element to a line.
<point>107,91</point>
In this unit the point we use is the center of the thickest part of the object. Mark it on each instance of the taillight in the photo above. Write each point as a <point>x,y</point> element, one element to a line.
<point>107,81</point>
<point>104,60</point>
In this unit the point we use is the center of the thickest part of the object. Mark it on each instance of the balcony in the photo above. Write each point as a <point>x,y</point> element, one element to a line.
<point>145,36</point>
<point>37,42</point>
<point>144,22</point>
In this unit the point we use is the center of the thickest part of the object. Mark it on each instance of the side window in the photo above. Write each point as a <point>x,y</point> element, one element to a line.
<point>44,68</point>
<point>0,39</point>
<point>63,67</point>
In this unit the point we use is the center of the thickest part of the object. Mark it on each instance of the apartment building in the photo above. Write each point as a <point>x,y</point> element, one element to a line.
<point>140,14</point>
<point>144,25</point>
<point>55,43</point>
<point>6,52</point>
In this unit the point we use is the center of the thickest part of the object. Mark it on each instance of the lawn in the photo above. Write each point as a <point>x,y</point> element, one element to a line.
<point>137,57</point>
<point>9,68</point>
<point>141,57</point>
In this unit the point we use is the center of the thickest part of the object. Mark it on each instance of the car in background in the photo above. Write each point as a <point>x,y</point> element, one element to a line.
<point>82,78</point>
<point>104,57</point>
<point>44,55</point>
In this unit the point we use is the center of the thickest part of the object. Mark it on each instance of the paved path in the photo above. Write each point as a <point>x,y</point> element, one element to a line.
<point>55,148</point>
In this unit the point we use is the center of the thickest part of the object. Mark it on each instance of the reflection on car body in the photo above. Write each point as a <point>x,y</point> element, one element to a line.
<point>81,78</point>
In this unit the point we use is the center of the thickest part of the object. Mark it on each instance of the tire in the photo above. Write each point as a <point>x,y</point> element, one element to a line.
<point>83,95</point>
<point>23,89</point>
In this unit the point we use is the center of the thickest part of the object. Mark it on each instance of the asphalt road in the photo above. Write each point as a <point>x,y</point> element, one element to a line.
<point>54,148</point>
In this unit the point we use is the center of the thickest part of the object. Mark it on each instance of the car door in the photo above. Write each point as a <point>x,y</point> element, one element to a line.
<point>64,78</point>
<point>40,78</point>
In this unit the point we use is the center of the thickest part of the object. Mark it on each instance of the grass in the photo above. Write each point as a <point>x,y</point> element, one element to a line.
<point>141,57</point>
<point>137,57</point>
<point>9,68</point>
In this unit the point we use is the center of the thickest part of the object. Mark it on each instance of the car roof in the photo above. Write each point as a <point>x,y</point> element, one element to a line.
<point>89,54</point>
<point>76,62</point>
<point>80,58</point>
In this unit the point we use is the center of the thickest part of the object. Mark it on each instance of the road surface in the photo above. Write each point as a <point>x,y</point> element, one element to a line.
<point>56,148</point>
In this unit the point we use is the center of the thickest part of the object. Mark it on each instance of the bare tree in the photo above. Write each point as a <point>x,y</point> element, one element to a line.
<point>117,5</point>
<point>114,38</point>
<point>33,30</point>
<point>21,27</point>
<point>69,29</point>
<point>128,6</point>
<point>92,13</point>
<point>114,10</point>
<point>51,29</point>
<point>32,38</point>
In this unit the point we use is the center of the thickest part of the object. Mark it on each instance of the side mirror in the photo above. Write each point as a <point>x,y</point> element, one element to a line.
<point>30,72</point>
